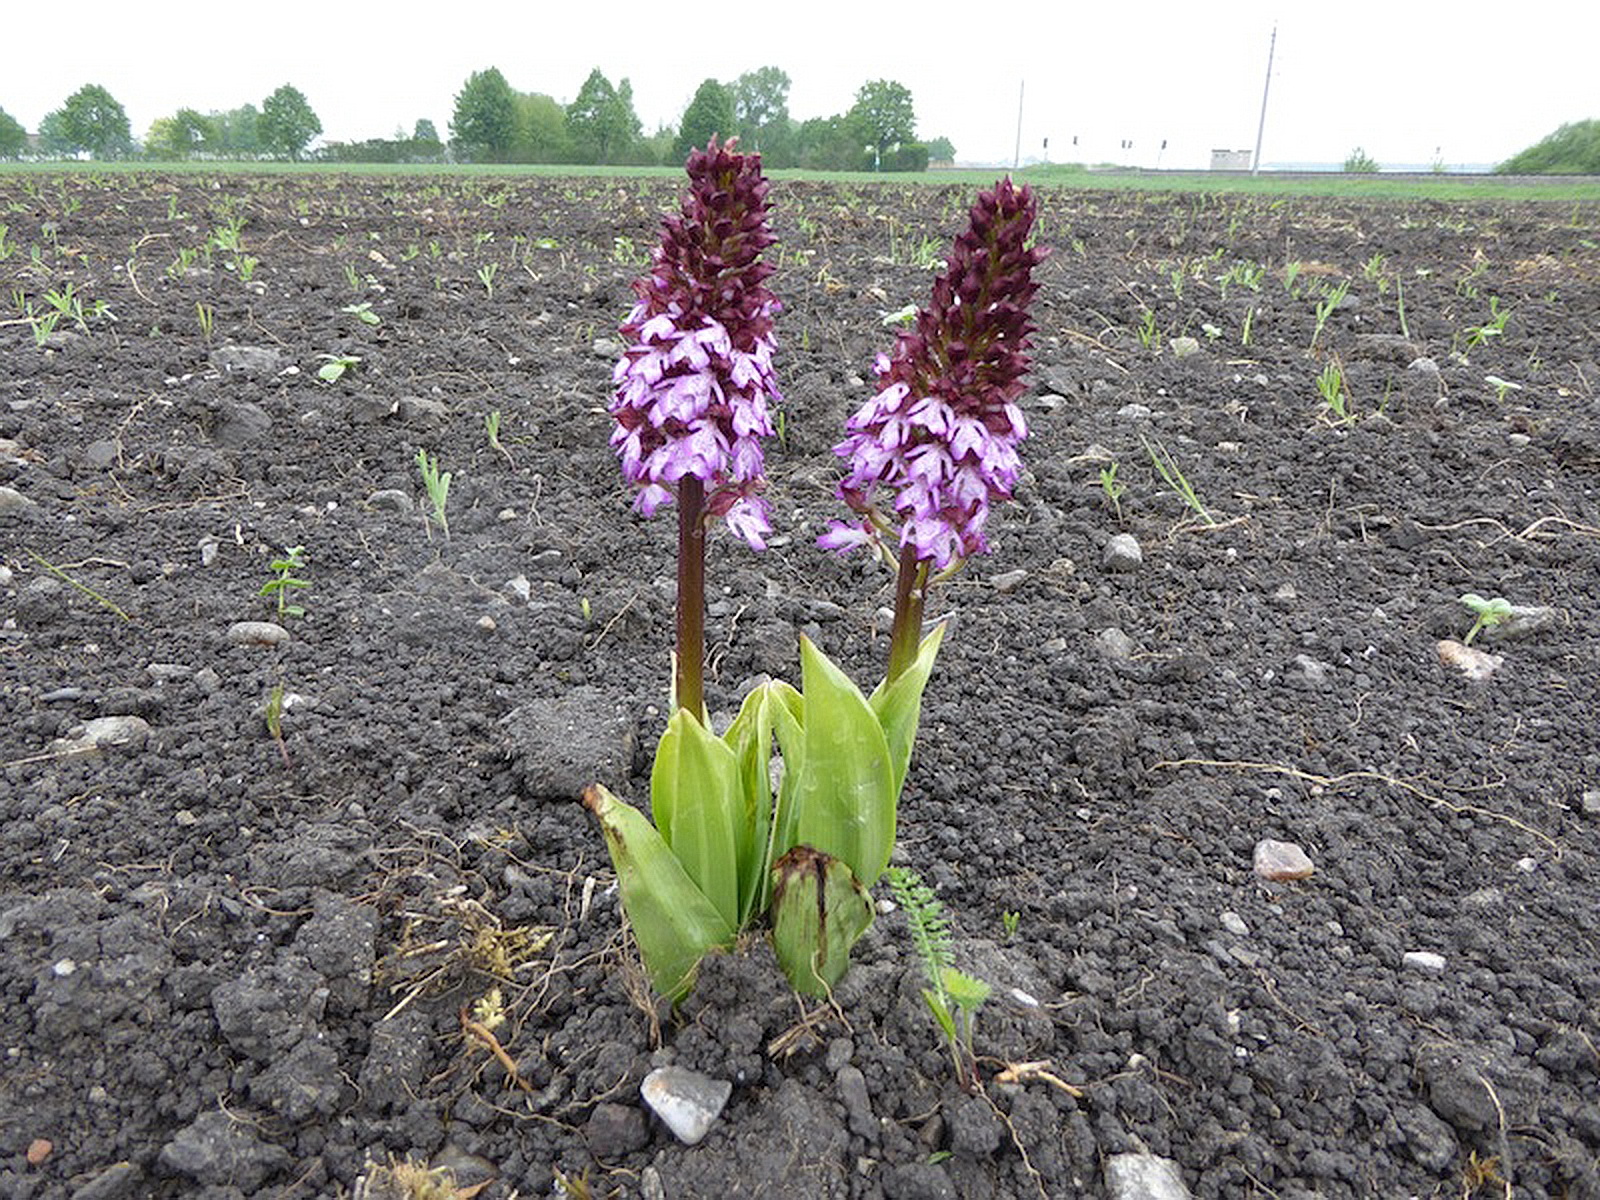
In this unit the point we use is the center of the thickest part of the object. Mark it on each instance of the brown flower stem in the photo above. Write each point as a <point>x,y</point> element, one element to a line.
<point>910,589</point>
<point>689,683</point>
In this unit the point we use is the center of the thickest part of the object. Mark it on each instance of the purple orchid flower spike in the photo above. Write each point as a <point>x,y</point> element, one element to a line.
<point>695,387</point>
<point>940,435</point>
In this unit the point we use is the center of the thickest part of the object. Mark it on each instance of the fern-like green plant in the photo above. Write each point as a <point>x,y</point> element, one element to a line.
<point>952,996</point>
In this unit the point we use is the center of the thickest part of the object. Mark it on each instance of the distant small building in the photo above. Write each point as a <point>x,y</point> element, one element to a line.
<point>1231,160</point>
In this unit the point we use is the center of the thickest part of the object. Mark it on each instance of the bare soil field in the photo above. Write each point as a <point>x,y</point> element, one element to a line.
<point>264,891</point>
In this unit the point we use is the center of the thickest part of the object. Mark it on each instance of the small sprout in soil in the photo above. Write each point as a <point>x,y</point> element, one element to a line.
<point>1373,269</point>
<point>352,277</point>
<point>335,365</point>
<point>1486,613</point>
<point>206,316</point>
<point>437,483</point>
<point>247,267</point>
<point>275,722</point>
<point>953,997</point>
<point>1325,309</point>
<point>1291,272</point>
<point>587,609</point>
<point>284,581</point>
<point>363,313</point>
<point>1501,386</point>
<point>1113,489</point>
<point>901,316</point>
<point>1009,921</point>
<point>1244,330</point>
<point>486,274</point>
<point>1475,335</point>
<point>1148,337</point>
<point>1167,467</point>
<point>491,428</point>
<point>1335,395</point>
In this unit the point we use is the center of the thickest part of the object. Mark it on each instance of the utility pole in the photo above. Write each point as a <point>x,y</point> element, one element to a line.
<point>1016,155</point>
<point>1261,126</point>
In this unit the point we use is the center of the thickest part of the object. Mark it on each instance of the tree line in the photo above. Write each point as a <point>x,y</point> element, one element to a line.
<point>494,123</point>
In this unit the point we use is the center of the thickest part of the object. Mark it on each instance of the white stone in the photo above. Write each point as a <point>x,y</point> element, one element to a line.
<point>1234,924</point>
<point>257,633</point>
<point>1144,1177</point>
<point>1281,861</point>
<point>1424,961</point>
<point>1122,553</point>
<point>686,1101</point>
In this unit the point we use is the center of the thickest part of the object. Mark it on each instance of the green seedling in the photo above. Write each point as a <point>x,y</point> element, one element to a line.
<point>247,267</point>
<point>1486,613</point>
<point>901,316</point>
<point>206,316</point>
<point>1325,309</point>
<point>363,313</point>
<point>1009,923</point>
<point>1148,336</point>
<point>333,369</point>
<point>284,581</point>
<point>623,250</point>
<point>486,274</point>
<point>1113,489</point>
<point>953,997</point>
<point>1373,269</point>
<point>1291,272</point>
<point>352,277</point>
<point>437,484</point>
<point>1167,467</point>
<point>1400,307</point>
<point>1244,330</point>
<point>1501,387</point>
<point>275,722</point>
<point>1476,335</point>
<point>1331,386</point>
<point>491,428</point>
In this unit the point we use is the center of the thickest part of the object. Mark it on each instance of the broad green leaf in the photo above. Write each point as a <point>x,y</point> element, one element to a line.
<point>673,922</point>
<point>899,705</point>
<point>695,797</point>
<point>750,739</point>
<point>819,912</point>
<point>788,712</point>
<point>844,795</point>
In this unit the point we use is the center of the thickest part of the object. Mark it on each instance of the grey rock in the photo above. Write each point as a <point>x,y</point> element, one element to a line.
<point>857,1104</point>
<point>390,500</point>
<point>247,360</point>
<point>559,746</point>
<point>1234,924</point>
<point>1122,553</point>
<point>607,348</point>
<point>1114,644</point>
<point>221,1148</point>
<point>257,633</point>
<point>101,732</point>
<point>1423,366</point>
<point>1384,347</point>
<point>1144,1177</point>
<point>1308,673</point>
<point>101,454</point>
<point>237,424</point>
<point>1423,962</point>
<point>686,1101</point>
<point>1524,620</point>
<point>1591,802</point>
<point>421,409</point>
<point>616,1129</point>
<point>1279,861</point>
<point>119,1181</point>
<point>1008,581</point>
<point>13,501</point>
<point>1134,412</point>
<point>1183,347</point>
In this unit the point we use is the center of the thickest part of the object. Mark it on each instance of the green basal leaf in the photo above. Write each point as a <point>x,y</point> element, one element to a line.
<point>844,795</point>
<point>941,1013</point>
<point>695,797</point>
<point>788,712</point>
<point>819,912</point>
<point>899,705</point>
<point>750,739</point>
<point>673,922</point>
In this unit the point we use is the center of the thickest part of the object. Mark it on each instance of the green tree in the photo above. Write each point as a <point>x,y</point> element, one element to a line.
<point>13,137</point>
<point>180,135</point>
<point>760,107</point>
<point>541,130</point>
<point>287,122</point>
<point>91,120</point>
<point>1359,162</point>
<point>1573,149</point>
<point>836,143</point>
<point>710,114</point>
<point>601,120</point>
<point>941,150</point>
<point>883,108</point>
<point>425,141</point>
<point>485,120</point>
<point>238,131</point>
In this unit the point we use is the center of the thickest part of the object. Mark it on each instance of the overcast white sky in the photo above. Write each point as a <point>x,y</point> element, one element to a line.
<point>1469,82</point>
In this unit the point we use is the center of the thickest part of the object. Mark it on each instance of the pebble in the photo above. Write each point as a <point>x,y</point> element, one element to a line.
<point>1524,620</point>
<point>1424,366</point>
<point>1477,665</point>
<point>1279,861</point>
<point>1122,553</point>
<point>686,1101</point>
<point>390,500</point>
<point>102,731</point>
<point>1114,644</point>
<point>1008,581</point>
<point>38,1150</point>
<point>1308,672</point>
<point>257,633</point>
<point>1134,412</point>
<point>12,501</point>
<point>1425,962</point>
<point>1591,803</point>
<point>1144,1177</point>
<point>1234,923</point>
<point>1183,347</point>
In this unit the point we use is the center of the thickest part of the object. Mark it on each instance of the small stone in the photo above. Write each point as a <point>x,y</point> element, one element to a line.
<point>1308,672</point>
<point>421,408</point>
<point>1281,861</point>
<point>606,347</point>
<point>1183,347</point>
<point>686,1101</point>
<point>390,500</point>
<point>1114,644</point>
<point>1122,553</point>
<point>13,501</point>
<point>1234,924</point>
<point>63,967</point>
<point>1008,581</point>
<point>1144,1177</point>
<point>38,1150</point>
<point>1524,620</point>
<point>246,360</point>
<point>1477,665</point>
<point>1134,412</point>
<point>1425,962</point>
<point>101,732</point>
<point>257,633</point>
<point>1591,802</point>
<point>1424,366</point>
<point>486,624</point>
<point>1527,865</point>
<point>519,587</point>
